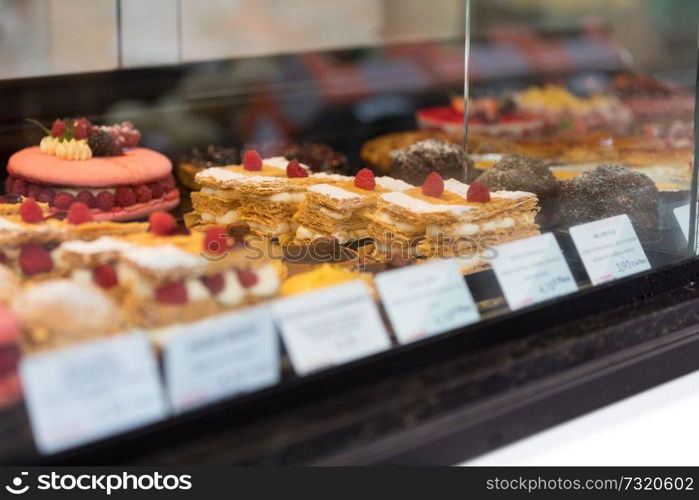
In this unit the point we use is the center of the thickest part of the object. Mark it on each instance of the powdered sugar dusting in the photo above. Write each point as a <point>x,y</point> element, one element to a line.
<point>334,192</point>
<point>218,174</point>
<point>280,162</point>
<point>70,295</point>
<point>456,187</point>
<point>392,184</point>
<point>422,207</point>
<point>511,195</point>
<point>332,177</point>
<point>163,258</point>
<point>101,245</point>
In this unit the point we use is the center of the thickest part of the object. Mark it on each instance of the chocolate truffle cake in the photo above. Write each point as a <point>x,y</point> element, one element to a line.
<point>607,191</point>
<point>520,173</point>
<point>414,164</point>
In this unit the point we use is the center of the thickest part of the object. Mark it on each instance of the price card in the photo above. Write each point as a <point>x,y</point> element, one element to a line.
<point>682,216</point>
<point>426,300</point>
<point>532,270</point>
<point>331,326</point>
<point>220,357</point>
<point>609,249</point>
<point>92,391</point>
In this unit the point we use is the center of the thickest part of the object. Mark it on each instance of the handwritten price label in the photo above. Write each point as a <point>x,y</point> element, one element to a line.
<point>532,270</point>
<point>609,249</point>
<point>426,300</point>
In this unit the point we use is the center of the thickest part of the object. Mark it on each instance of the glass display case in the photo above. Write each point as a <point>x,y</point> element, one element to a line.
<point>338,232</point>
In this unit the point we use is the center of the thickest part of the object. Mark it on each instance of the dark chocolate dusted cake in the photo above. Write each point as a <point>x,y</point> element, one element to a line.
<point>318,156</point>
<point>414,164</point>
<point>199,159</point>
<point>607,191</point>
<point>521,173</point>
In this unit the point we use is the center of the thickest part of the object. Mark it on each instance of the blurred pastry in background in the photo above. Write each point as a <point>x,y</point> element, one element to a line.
<point>58,313</point>
<point>10,386</point>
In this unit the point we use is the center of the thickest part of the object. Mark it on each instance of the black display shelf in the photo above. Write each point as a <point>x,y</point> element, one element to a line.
<point>504,365</point>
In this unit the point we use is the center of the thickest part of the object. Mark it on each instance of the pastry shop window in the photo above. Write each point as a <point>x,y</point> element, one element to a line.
<point>239,200</point>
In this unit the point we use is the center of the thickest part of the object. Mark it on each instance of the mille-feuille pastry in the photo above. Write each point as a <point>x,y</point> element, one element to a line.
<point>10,385</point>
<point>27,239</point>
<point>10,284</point>
<point>338,210</point>
<point>264,194</point>
<point>258,192</point>
<point>168,285</point>
<point>57,313</point>
<point>450,219</point>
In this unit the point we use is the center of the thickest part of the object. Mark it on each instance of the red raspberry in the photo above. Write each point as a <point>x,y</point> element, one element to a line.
<point>58,128</point>
<point>79,213</point>
<point>35,259</point>
<point>143,194</point>
<point>294,169</point>
<point>105,276</point>
<point>105,201</point>
<point>87,198</point>
<point>168,183</point>
<point>30,211</point>
<point>19,187</point>
<point>124,197</point>
<point>214,283</point>
<point>365,179</point>
<point>33,191</point>
<point>252,160</point>
<point>216,241</point>
<point>172,294</point>
<point>81,128</point>
<point>478,193</point>
<point>433,185</point>
<point>162,223</point>
<point>63,200</point>
<point>156,190</point>
<point>46,195</point>
<point>247,278</point>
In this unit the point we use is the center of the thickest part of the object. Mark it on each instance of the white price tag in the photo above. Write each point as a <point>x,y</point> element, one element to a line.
<point>682,216</point>
<point>609,249</point>
<point>532,270</point>
<point>221,356</point>
<point>426,300</point>
<point>92,391</point>
<point>331,326</point>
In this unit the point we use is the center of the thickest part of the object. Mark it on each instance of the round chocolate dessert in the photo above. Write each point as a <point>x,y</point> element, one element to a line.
<point>521,173</point>
<point>607,191</point>
<point>200,159</point>
<point>318,156</point>
<point>378,153</point>
<point>414,164</point>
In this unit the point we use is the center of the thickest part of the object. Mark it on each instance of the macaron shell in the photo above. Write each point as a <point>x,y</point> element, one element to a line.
<point>135,166</point>
<point>140,210</point>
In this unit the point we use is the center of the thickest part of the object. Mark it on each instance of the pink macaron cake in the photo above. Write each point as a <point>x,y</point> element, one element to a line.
<point>100,166</point>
